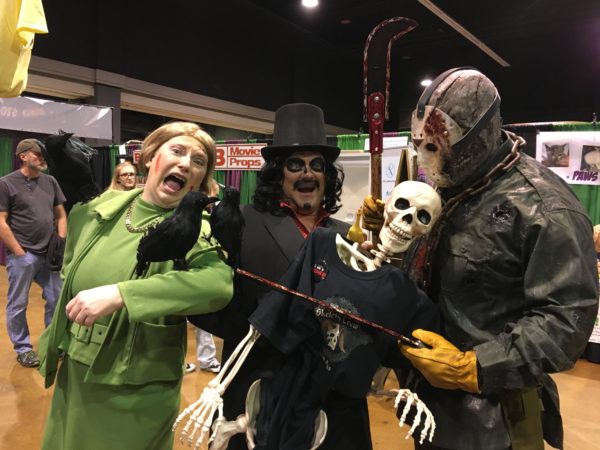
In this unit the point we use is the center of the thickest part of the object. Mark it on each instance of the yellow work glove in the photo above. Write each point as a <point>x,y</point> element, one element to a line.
<point>443,365</point>
<point>372,211</point>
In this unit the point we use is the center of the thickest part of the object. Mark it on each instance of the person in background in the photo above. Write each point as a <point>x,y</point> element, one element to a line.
<point>511,265</point>
<point>124,337</point>
<point>123,178</point>
<point>31,211</point>
<point>298,188</point>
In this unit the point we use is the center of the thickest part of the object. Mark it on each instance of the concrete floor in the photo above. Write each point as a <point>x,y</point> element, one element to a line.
<point>24,401</point>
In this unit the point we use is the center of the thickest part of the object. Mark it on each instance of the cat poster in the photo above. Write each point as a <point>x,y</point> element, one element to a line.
<point>572,155</point>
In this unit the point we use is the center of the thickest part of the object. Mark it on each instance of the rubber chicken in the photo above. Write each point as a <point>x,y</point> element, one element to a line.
<point>355,233</point>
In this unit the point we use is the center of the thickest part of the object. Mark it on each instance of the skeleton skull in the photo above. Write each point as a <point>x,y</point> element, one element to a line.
<point>332,335</point>
<point>410,211</point>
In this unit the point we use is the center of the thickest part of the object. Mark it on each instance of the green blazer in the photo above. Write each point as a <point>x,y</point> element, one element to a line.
<point>146,340</point>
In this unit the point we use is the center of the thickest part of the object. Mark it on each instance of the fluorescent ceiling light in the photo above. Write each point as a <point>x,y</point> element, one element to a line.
<point>310,3</point>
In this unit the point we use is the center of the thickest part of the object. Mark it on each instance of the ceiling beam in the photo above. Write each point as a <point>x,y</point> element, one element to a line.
<point>464,32</point>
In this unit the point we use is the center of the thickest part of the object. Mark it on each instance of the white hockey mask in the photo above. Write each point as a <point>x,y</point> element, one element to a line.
<point>410,211</point>
<point>448,138</point>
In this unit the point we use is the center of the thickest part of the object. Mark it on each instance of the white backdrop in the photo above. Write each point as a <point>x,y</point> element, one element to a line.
<point>47,117</point>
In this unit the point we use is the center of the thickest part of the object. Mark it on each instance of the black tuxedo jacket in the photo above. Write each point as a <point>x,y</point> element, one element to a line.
<point>269,244</point>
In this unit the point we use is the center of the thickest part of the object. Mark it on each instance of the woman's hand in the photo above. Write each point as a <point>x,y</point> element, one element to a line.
<point>92,304</point>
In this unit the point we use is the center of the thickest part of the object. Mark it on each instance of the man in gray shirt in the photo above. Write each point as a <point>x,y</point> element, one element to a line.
<point>31,211</point>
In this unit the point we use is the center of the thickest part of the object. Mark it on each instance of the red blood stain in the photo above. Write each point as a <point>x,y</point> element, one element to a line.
<point>435,126</point>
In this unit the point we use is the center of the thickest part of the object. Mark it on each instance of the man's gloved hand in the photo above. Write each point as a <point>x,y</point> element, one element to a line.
<point>443,365</point>
<point>372,210</point>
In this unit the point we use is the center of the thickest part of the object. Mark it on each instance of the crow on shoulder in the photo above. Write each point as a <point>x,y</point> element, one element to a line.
<point>175,236</point>
<point>227,224</point>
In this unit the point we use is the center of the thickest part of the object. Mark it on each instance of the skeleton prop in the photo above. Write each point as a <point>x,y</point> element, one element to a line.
<point>410,212</point>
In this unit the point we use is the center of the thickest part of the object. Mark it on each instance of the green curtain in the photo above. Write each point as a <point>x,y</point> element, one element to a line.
<point>6,156</point>
<point>588,195</point>
<point>351,141</point>
<point>247,183</point>
<point>248,186</point>
<point>219,176</point>
<point>357,141</point>
<point>112,157</point>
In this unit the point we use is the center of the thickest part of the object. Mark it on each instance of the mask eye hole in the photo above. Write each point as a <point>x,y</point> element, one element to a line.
<point>402,204</point>
<point>431,147</point>
<point>424,217</point>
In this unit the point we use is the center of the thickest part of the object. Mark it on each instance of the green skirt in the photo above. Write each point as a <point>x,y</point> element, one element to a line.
<point>87,416</point>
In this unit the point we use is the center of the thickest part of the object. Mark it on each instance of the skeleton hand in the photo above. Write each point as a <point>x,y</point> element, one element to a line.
<point>210,402</point>
<point>202,412</point>
<point>412,399</point>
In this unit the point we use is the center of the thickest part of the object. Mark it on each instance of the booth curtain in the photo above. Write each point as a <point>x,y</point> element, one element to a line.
<point>351,141</point>
<point>242,180</point>
<point>6,156</point>
<point>357,141</point>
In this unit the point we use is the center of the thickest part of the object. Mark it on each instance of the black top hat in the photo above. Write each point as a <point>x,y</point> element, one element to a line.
<point>299,126</point>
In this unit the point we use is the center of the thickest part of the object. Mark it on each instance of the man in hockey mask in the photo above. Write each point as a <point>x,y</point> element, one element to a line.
<point>511,264</point>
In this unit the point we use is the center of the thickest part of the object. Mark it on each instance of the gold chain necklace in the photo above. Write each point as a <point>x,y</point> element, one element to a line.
<point>141,229</point>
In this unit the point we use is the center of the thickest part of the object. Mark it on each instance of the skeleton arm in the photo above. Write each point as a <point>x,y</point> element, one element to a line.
<point>350,255</point>
<point>202,411</point>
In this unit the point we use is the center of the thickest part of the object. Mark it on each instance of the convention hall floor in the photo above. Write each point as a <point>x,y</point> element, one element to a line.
<point>24,401</point>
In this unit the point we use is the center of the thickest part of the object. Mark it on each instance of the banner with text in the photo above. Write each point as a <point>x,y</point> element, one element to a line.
<point>239,157</point>
<point>572,155</point>
<point>47,116</point>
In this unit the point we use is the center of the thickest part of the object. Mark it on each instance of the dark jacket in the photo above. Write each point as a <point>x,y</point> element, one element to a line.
<point>269,245</point>
<point>515,278</point>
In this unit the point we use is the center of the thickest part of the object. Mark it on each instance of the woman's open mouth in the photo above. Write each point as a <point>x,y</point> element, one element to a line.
<point>174,183</point>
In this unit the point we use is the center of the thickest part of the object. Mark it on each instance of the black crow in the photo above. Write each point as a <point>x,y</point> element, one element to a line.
<point>175,236</point>
<point>227,224</point>
<point>68,161</point>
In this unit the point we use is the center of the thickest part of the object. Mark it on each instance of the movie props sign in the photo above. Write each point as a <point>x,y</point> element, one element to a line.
<point>239,157</point>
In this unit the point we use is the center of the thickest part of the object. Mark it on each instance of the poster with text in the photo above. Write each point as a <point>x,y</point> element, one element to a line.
<point>572,155</point>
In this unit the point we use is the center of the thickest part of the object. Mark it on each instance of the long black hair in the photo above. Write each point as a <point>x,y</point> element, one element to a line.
<point>269,193</point>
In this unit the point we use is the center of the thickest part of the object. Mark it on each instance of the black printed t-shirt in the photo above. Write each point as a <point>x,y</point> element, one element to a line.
<point>350,352</point>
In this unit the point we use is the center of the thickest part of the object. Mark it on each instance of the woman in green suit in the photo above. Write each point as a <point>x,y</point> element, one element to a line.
<point>124,338</point>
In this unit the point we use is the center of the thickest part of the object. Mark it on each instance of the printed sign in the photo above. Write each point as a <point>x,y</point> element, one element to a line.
<point>47,116</point>
<point>239,157</point>
<point>572,155</point>
<point>136,154</point>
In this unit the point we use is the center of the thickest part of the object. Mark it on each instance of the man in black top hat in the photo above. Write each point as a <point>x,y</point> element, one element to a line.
<point>298,188</point>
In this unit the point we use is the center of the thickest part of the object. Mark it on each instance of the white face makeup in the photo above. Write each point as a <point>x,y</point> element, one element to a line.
<point>178,166</point>
<point>304,181</point>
